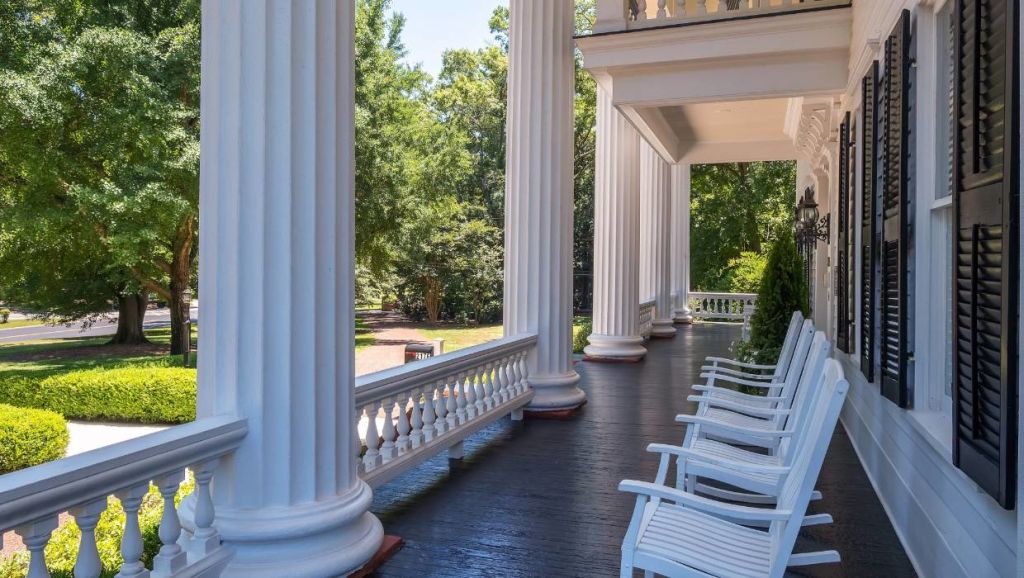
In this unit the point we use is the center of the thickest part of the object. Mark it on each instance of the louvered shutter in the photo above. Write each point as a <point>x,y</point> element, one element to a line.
<point>895,156</point>
<point>986,248</point>
<point>868,222</point>
<point>842,312</point>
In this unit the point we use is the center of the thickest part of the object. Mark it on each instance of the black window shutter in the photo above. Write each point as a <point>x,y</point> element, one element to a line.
<point>986,247</point>
<point>896,150</point>
<point>868,222</point>
<point>842,308</point>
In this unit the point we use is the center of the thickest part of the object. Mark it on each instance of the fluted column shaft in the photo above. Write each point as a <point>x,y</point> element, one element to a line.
<point>276,275</point>
<point>681,242</point>
<point>539,195</point>
<point>656,238</point>
<point>616,333</point>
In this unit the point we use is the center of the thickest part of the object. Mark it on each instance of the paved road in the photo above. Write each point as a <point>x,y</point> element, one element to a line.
<point>154,318</point>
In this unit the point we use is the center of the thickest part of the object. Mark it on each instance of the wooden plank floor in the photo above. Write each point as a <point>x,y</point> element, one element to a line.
<point>539,498</point>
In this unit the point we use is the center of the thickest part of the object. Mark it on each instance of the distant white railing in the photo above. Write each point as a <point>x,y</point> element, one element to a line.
<point>413,412</point>
<point>638,14</point>
<point>31,500</point>
<point>647,318</point>
<point>722,306</point>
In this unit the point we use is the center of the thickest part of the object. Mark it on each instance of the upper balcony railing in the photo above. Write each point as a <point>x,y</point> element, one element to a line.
<point>619,15</point>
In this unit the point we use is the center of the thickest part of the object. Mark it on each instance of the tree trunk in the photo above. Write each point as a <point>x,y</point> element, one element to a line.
<point>432,300</point>
<point>130,318</point>
<point>179,318</point>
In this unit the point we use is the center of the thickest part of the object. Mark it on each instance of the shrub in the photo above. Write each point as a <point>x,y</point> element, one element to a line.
<point>5,315</point>
<point>580,333</point>
<point>746,271</point>
<point>29,437</point>
<point>783,291</point>
<point>134,394</point>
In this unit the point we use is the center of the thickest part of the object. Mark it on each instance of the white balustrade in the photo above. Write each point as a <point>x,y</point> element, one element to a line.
<point>413,412</point>
<point>683,11</point>
<point>722,306</point>
<point>647,318</point>
<point>31,500</point>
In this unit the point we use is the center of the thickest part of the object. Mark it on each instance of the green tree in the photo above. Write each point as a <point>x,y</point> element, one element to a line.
<point>99,148</point>
<point>736,208</point>
<point>745,272</point>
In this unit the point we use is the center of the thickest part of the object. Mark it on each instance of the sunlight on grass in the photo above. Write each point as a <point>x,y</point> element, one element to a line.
<point>460,336</point>
<point>18,323</point>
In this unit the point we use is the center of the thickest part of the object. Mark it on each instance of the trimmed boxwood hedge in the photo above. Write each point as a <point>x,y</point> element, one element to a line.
<point>123,394</point>
<point>29,437</point>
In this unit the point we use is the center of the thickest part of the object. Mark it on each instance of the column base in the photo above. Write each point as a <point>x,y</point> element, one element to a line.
<point>611,348</point>
<point>555,393</point>
<point>662,329</point>
<point>324,538</point>
<point>683,316</point>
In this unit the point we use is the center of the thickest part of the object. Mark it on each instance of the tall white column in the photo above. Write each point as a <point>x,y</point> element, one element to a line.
<point>655,238</point>
<point>681,242</point>
<point>616,335</point>
<point>276,275</point>
<point>539,196</point>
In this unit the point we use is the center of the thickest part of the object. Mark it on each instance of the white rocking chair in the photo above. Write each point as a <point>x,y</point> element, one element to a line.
<point>678,534</point>
<point>743,370</point>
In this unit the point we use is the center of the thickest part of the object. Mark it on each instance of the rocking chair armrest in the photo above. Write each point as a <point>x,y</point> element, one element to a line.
<point>727,371</point>
<point>741,381</point>
<point>711,389</point>
<point>689,454</point>
<point>728,427</point>
<point>738,407</point>
<point>718,360</point>
<point>713,507</point>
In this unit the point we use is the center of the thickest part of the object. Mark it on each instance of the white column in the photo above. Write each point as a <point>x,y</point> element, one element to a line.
<point>655,238</point>
<point>616,333</point>
<point>681,242</point>
<point>539,196</point>
<point>276,275</point>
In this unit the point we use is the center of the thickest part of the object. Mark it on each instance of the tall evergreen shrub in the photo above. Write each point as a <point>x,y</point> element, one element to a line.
<point>783,291</point>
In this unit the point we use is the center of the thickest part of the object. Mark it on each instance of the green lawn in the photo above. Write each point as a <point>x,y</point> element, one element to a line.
<point>460,336</point>
<point>16,323</point>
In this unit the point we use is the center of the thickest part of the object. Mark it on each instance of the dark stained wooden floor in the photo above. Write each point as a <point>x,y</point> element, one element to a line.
<point>539,498</point>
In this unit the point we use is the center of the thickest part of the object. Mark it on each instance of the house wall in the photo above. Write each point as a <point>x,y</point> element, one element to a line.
<point>948,526</point>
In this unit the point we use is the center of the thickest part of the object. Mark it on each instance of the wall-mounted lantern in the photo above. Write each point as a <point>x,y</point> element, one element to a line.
<point>809,228</point>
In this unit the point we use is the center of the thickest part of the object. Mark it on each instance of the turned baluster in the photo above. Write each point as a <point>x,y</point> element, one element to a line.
<point>171,557</point>
<point>205,540</point>
<point>452,405</point>
<point>680,9</point>
<point>513,375</point>
<point>702,7</point>
<point>357,448</point>
<point>470,385</point>
<point>87,517</point>
<point>439,406</point>
<point>524,373</point>
<point>387,449</point>
<point>417,436</point>
<point>131,542</point>
<point>503,381</point>
<point>372,457</point>
<point>662,11</point>
<point>403,422</point>
<point>495,380</point>
<point>480,391</point>
<point>641,10</point>
<point>429,417</point>
<point>36,536</point>
<point>463,403</point>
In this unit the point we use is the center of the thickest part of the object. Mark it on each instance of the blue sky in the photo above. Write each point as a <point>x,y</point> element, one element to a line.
<point>432,26</point>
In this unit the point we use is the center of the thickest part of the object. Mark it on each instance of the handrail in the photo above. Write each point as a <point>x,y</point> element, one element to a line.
<point>381,384</point>
<point>28,494</point>
<point>641,14</point>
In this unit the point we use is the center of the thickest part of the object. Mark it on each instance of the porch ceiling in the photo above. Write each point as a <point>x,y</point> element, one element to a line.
<point>719,91</point>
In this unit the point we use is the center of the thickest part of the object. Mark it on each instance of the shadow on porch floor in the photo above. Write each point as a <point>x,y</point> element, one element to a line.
<point>539,498</point>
